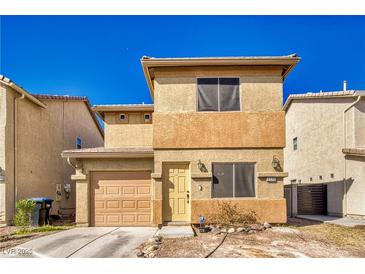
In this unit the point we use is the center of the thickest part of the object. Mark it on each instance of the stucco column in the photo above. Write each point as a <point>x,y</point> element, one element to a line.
<point>82,201</point>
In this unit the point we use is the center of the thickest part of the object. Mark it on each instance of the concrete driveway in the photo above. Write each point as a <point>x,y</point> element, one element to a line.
<point>85,242</point>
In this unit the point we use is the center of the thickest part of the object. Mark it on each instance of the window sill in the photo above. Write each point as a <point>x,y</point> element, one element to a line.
<point>202,176</point>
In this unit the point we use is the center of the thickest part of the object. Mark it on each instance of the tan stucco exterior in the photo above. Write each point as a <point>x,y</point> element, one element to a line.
<point>180,134</point>
<point>323,130</point>
<point>41,135</point>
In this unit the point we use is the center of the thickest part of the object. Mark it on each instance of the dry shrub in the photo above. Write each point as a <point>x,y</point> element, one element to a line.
<point>226,213</point>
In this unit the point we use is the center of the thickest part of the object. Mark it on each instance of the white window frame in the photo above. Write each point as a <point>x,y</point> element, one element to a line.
<point>219,107</point>
<point>234,180</point>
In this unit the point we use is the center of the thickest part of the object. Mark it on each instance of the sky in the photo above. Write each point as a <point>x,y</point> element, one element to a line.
<point>99,56</point>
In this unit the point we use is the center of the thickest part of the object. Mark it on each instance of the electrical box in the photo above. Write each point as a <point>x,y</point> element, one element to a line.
<point>58,192</point>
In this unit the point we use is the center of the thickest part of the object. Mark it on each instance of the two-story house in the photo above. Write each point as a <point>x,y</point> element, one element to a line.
<point>324,156</point>
<point>216,132</point>
<point>34,130</point>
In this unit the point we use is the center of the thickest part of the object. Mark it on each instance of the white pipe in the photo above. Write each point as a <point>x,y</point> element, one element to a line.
<point>15,140</point>
<point>344,146</point>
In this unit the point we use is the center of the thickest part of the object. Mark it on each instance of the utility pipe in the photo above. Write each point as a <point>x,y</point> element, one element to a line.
<point>344,146</point>
<point>15,143</point>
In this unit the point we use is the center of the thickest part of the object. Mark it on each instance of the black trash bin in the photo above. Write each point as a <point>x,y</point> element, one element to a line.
<point>43,204</point>
<point>48,205</point>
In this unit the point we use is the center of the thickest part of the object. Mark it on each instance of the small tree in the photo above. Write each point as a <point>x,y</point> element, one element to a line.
<point>23,214</point>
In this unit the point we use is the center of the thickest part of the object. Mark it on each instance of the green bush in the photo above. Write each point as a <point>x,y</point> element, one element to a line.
<point>24,210</point>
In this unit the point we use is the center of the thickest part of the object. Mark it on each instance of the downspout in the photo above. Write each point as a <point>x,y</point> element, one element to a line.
<point>15,143</point>
<point>344,146</point>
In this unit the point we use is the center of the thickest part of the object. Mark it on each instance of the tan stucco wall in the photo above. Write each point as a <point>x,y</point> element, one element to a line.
<point>318,125</point>
<point>267,210</point>
<point>262,158</point>
<point>83,198</point>
<point>7,153</point>
<point>355,200</point>
<point>42,134</point>
<point>133,133</point>
<point>219,130</point>
<point>175,89</point>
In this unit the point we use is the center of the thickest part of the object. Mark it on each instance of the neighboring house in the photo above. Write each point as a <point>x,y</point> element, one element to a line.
<point>216,132</point>
<point>34,130</point>
<point>324,156</point>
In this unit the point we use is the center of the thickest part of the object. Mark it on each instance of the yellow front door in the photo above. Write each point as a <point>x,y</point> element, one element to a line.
<point>176,196</point>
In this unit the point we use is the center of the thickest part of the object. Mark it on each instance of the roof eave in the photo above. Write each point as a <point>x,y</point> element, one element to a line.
<point>21,91</point>
<point>148,63</point>
<point>93,155</point>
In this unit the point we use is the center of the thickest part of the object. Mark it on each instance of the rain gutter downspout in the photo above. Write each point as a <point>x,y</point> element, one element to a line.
<point>344,145</point>
<point>15,143</point>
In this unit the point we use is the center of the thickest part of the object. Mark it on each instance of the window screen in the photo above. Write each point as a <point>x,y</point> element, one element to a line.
<point>208,94</point>
<point>244,180</point>
<point>222,180</point>
<point>229,94</point>
<point>233,180</point>
<point>218,94</point>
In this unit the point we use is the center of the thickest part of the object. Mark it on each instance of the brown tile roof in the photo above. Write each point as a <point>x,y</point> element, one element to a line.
<point>322,95</point>
<point>354,151</point>
<point>96,152</point>
<point>72,98</point>
<point>60,97</point>
<point>101,109</point>
<point>22,91</point>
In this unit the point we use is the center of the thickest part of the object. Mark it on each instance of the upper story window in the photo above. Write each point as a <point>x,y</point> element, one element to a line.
<point>218,94</point>
<point>233,180</point>
<point>295,143</point>
<point>78,142</point>
<point>123,117</point>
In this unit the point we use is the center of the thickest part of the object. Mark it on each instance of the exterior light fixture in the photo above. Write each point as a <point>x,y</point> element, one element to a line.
<point>202,167</point>
<point>276,163</point>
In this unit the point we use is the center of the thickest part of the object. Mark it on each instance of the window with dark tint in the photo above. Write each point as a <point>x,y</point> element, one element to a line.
<point>229,94</point>
<point>208,94</point>
<point>78,143</point>
<point>222,180</point>
<point>295,143</point>
<point>218,94</point>
<point>233,180</point>
<point>244,178</point>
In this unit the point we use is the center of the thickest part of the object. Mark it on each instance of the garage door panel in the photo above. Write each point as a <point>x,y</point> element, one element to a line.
<point>121,198</point>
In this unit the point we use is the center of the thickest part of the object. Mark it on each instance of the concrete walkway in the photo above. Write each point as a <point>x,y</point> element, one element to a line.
<point>87,242</point>
<point>176,231</point>
<point>346,221</point>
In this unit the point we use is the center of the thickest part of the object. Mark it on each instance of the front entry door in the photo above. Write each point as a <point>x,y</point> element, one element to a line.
<point>176,195</point>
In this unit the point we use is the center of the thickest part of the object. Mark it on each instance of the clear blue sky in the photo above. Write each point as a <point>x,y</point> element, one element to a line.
<point>98,56</point>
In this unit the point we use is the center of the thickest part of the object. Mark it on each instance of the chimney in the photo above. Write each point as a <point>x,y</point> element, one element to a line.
<point>344,85</point>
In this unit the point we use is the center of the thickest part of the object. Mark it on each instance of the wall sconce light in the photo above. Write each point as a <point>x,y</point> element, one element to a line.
<point>276,163</point>
<point>202,167</point>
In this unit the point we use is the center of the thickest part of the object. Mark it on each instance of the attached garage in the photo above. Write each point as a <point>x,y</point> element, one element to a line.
<point>120,198</point>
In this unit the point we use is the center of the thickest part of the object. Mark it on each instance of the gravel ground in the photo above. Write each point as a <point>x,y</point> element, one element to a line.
<point>297,239</point>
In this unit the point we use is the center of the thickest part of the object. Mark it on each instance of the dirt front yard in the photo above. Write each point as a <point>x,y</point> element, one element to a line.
<point>11,236</point>
<point>297,239</point>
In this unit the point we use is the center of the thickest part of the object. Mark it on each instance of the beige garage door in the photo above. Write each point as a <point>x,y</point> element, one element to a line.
<point>121,198</point>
